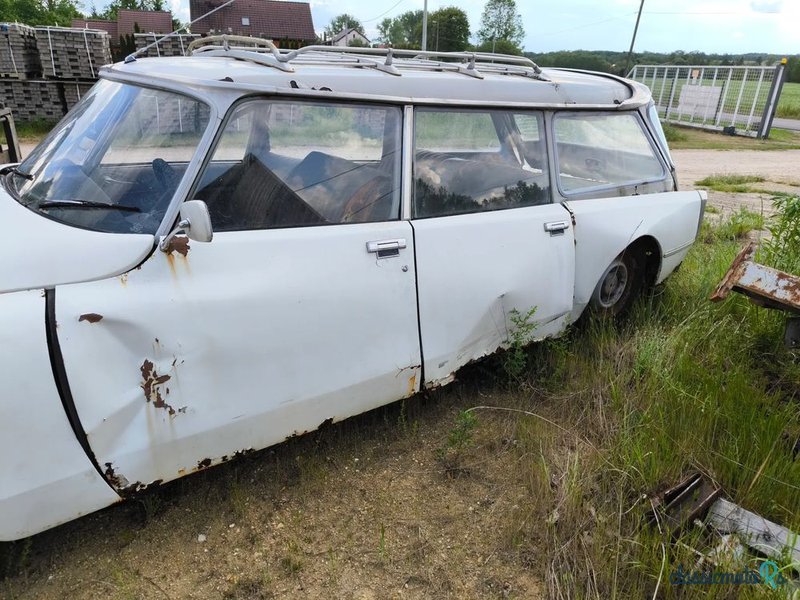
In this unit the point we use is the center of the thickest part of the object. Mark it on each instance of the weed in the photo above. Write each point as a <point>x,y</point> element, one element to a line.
<point>712,210</point>
<point>151,505</point>
<point>516,359</point>
<point>734,228</point>
<point>382,543</point>
<point>458,440</point>
<point>782,251</point>
<point>291,563</point>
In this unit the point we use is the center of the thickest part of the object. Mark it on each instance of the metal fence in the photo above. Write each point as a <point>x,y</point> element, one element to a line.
<point>736,100</point>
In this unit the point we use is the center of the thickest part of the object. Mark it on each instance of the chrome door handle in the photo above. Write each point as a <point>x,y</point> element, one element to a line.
<point>556,227</point>
<point>386,248</point>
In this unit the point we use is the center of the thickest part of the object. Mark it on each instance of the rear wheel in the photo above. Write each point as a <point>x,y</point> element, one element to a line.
<point>619,285</point>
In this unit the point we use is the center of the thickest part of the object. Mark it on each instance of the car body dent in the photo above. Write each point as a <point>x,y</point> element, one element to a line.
<point>239,344</point>
<point>499,262</point>
<point>39,252</point>
<point>47,479</point>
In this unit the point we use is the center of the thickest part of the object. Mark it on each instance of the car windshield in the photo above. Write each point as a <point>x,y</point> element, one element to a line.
<point>114,163</point>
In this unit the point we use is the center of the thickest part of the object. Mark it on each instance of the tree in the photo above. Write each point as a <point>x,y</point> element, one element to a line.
<point>501,21</point>
<point>499,47</point>
<point>116,5</point>
<point>404,31</point>
<point>39,12</point>
<point>448,30</point>
<point>343,22</point>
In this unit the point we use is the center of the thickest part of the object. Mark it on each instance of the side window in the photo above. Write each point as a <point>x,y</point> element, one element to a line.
<point>473,161</point>
<point>603,150</point>
<point>293,164</point>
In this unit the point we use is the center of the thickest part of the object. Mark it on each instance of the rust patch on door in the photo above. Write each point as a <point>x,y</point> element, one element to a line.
<point>90,317</point>
<point>115,479</point>
<point>150,382</point>
<point>179,244</point>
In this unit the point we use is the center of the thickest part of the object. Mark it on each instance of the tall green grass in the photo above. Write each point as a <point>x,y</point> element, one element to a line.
<point>684,385</point>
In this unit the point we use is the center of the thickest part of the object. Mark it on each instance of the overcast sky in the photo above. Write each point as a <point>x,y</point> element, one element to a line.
<point>733,26</point>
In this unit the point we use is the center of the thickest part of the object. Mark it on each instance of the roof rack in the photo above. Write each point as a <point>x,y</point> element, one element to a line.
<point>264,52</point>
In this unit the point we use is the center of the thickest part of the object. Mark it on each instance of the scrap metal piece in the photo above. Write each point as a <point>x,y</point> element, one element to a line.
<point>761,535</point>
<point>689,500</point>
<point>764,285</point>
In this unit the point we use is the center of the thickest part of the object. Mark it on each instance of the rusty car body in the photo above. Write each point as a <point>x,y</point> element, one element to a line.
<point>376,217</point>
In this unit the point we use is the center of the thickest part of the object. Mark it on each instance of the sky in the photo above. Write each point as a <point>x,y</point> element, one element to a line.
<point>732,26</point>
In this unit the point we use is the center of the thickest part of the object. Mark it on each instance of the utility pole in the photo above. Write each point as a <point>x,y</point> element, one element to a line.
<point>425,26</point>
<point>633,40</point>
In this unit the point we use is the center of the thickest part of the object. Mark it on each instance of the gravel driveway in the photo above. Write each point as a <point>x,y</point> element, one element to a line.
<point>780,169</point>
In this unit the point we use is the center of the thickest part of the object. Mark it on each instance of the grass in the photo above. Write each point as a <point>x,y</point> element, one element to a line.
<point>789,103</point>
<point>33,130</point>
<point>553,483</point>
<point>729,183</point>
<point>685,385</point>
<point>692,138</point>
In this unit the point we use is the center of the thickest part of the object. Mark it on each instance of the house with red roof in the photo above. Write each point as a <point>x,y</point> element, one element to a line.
<point>288,24</point>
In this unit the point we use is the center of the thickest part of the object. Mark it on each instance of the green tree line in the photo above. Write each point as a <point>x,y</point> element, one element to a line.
<point>614,62</point>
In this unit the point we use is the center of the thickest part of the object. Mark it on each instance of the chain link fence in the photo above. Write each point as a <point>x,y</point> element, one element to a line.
<point>736,100</point>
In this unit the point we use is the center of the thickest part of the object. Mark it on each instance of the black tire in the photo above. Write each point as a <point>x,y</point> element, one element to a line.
<point>619,286</point>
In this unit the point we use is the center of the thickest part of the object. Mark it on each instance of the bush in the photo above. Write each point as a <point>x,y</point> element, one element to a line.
<point>782,251</point>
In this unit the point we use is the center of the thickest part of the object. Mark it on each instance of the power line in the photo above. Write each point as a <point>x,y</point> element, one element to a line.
<point>398,3</point>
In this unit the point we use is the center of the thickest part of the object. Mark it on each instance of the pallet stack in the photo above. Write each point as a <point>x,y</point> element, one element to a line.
<point>31,100</point>
<point>176,45</point>
<point>68,53</point>
<point>19,56</point>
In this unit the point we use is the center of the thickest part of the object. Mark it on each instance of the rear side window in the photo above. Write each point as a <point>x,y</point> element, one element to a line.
<point>474,161</point>
<point>295,164</point>
<point>595,151</point>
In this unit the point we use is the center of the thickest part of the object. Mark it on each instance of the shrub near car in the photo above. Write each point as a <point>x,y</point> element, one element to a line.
<point>376,220</point>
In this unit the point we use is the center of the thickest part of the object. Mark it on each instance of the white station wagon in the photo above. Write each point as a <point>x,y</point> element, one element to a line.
<point>377,218</point>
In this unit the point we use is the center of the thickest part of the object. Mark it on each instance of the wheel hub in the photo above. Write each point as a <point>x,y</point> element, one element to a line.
<point>613,284</point>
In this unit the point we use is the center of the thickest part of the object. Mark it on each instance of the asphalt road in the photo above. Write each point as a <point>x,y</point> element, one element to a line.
<point>793,124</point>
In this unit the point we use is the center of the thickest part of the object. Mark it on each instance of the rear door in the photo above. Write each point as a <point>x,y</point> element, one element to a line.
<point>301,310</point>
<point>491,248</point>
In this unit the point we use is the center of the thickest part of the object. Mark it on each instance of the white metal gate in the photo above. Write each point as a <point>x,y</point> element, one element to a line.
<point>740,100</point>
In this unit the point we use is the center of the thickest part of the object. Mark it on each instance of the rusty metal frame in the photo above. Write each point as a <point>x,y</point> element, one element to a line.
<point>764,285</point>
<point>12,154</point>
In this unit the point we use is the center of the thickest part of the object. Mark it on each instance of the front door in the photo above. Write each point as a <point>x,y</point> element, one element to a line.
<point>302,309</point>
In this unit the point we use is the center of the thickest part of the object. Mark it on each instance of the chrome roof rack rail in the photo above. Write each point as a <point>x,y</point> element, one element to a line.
<point>387,60</point>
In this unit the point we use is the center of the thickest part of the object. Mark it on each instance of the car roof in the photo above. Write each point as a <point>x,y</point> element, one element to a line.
<point>508,81</point>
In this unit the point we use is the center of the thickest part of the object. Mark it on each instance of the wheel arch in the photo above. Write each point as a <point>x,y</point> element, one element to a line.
<point>648,247</point>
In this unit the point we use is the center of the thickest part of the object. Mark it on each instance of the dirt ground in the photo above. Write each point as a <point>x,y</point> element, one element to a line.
<point>780,169</point>
<point>366,509</point>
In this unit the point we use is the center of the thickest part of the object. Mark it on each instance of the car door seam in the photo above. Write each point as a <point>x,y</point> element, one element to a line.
<point>416,297</point>
<point>62,383</point>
